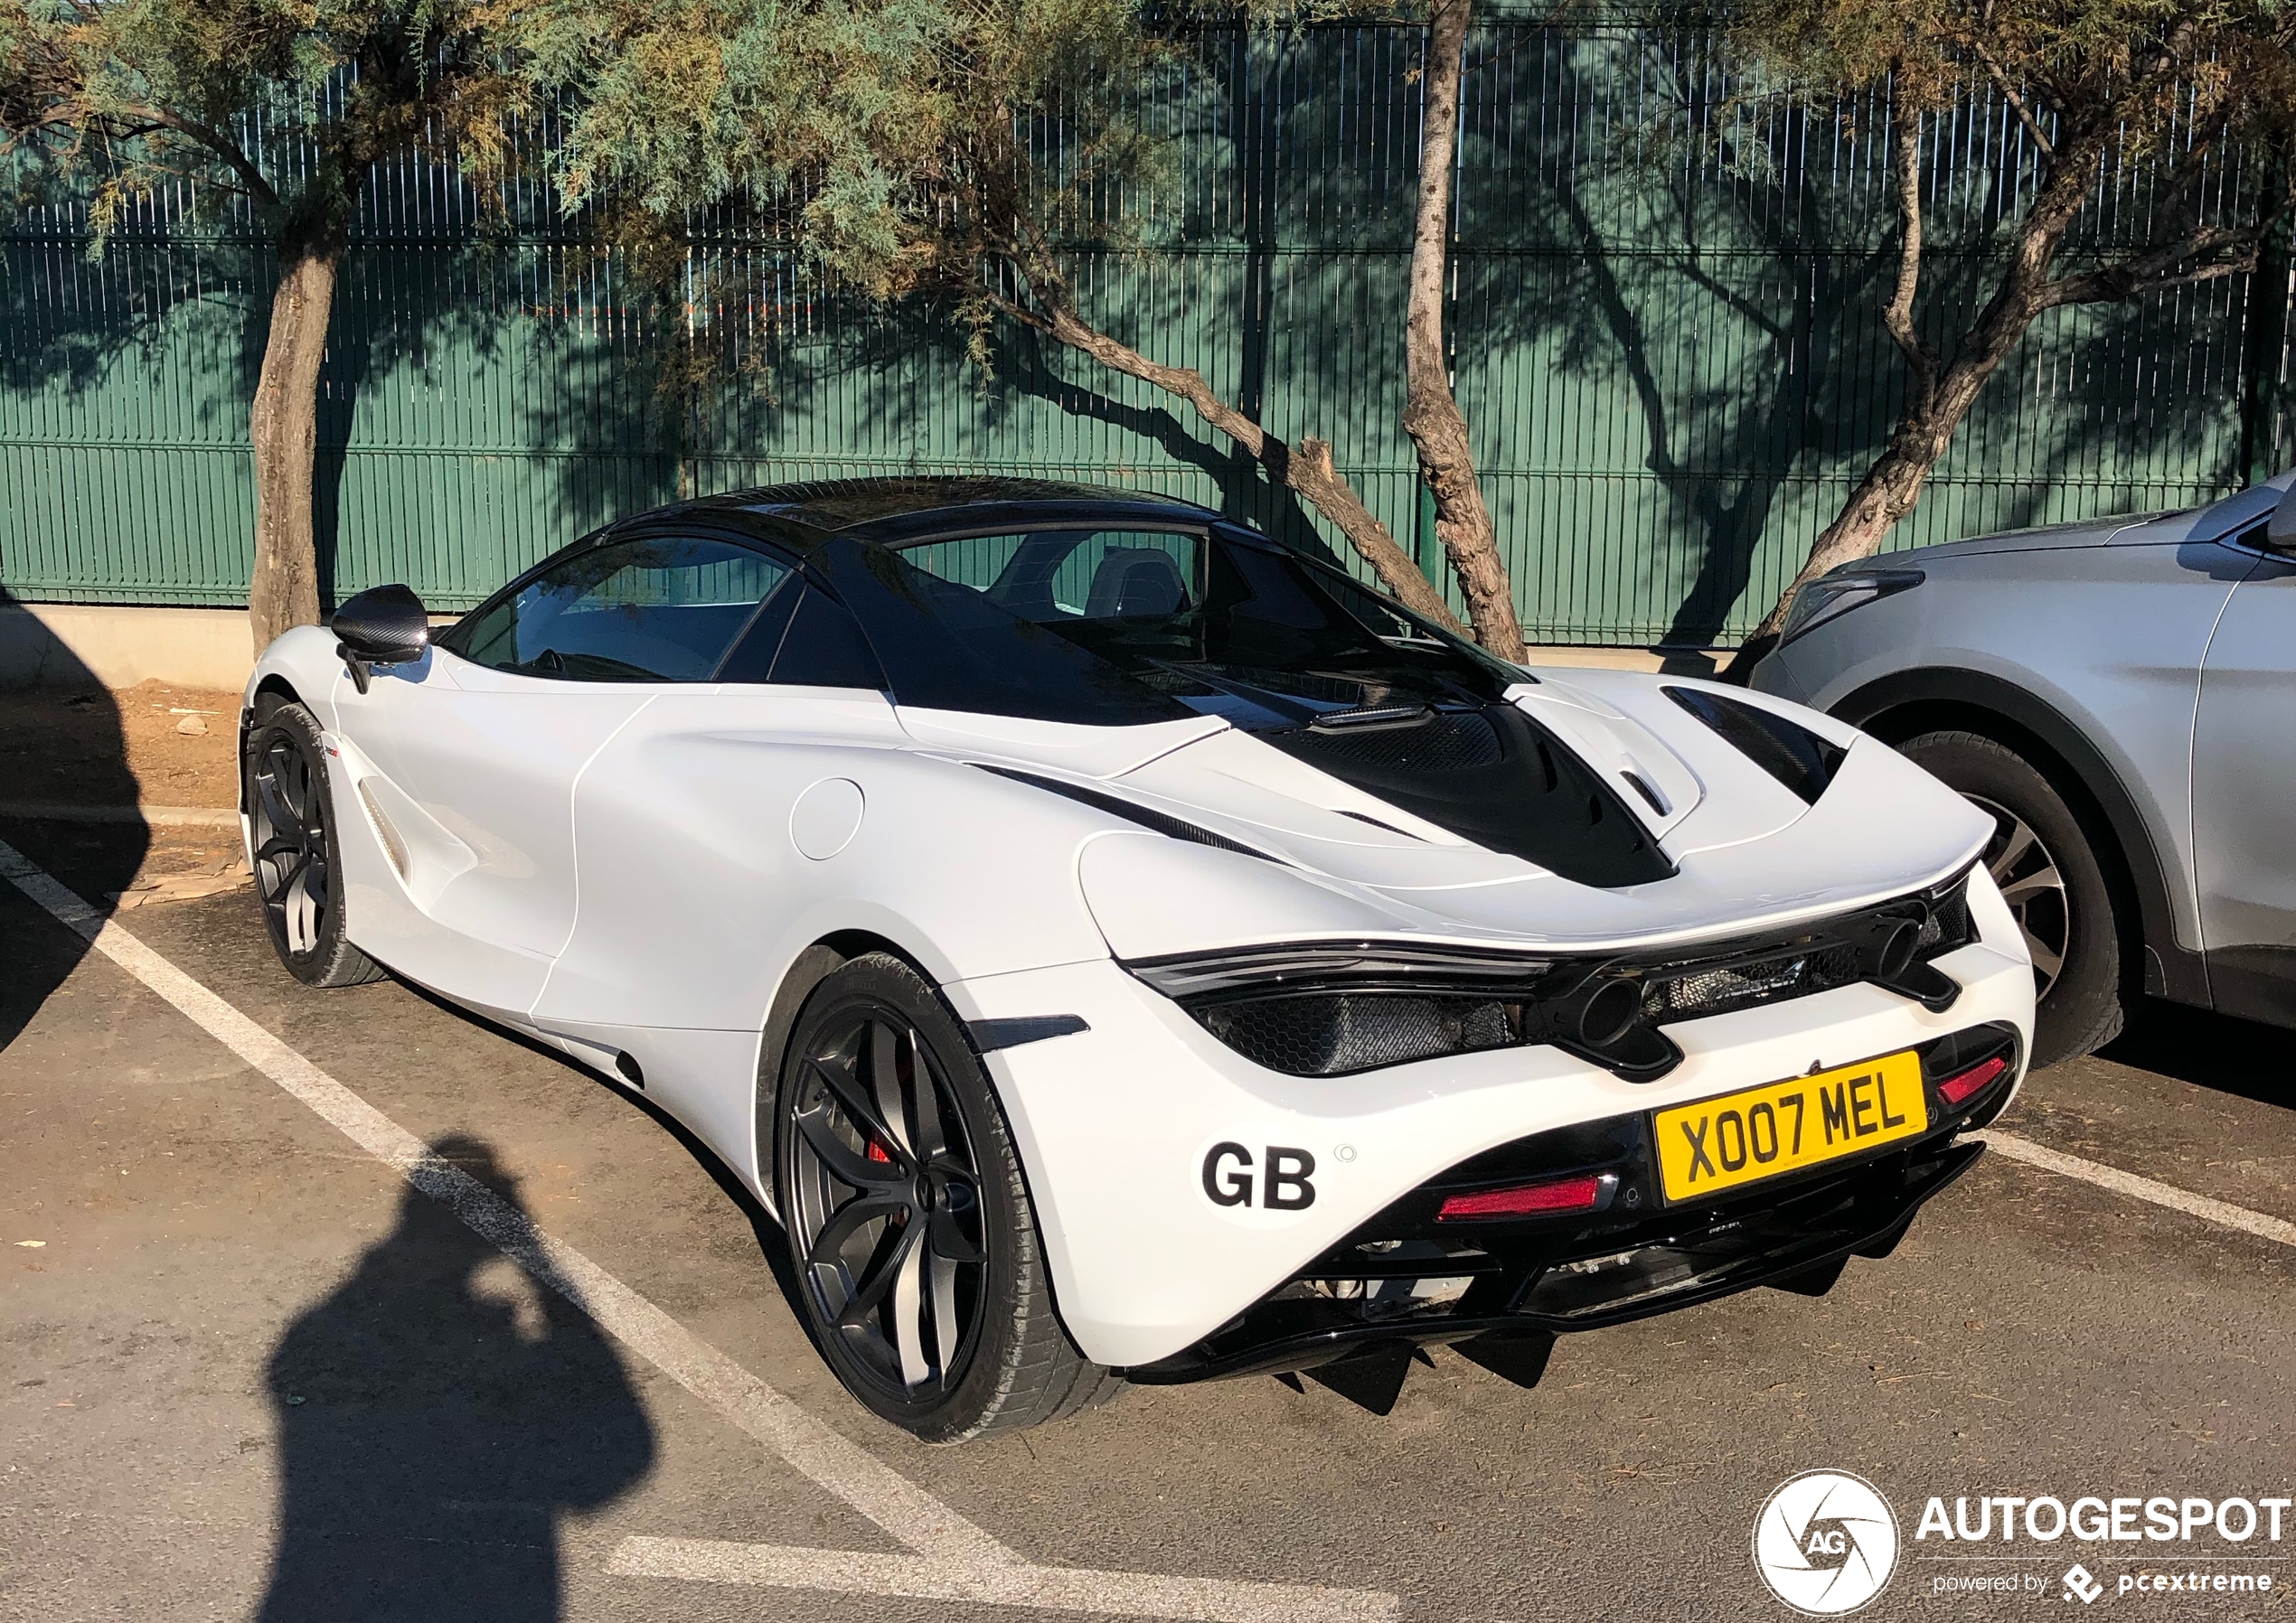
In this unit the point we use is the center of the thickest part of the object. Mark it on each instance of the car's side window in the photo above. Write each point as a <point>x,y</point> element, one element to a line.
<point>804,638</point>
<point>653,608</point>
<point>1074,574</point>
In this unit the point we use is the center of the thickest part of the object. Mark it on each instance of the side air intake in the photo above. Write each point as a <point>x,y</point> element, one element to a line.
<point>1117,806</point>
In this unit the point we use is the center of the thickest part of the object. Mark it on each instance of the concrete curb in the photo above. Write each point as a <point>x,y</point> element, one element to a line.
<point>190,817</point>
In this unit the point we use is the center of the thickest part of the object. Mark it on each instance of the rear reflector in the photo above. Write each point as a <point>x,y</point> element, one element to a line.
<point>1954,1089</point>
<point>1525,1200</point>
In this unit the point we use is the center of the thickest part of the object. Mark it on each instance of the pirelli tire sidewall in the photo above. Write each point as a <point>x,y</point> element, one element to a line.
<point>2081,1011</point>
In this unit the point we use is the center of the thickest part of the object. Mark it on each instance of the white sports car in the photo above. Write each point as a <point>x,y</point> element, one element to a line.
<point>1119,947</point>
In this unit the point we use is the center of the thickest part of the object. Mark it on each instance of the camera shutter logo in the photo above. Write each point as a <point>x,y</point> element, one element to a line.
<point>1826,1543</point>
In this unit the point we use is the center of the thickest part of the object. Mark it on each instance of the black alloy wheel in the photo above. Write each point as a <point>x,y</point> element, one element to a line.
<point>885,1205</point>
<point>290,846</point>
<point>919,1269</point>
<point>293,849</point>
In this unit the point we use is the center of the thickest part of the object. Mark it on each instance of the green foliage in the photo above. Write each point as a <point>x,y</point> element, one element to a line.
<point>2203,69</point>
<point>905,147</point>
<point>288,104</point>
<point>895,142</point>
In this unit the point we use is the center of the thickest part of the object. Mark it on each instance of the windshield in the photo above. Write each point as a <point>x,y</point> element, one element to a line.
<point>1116,626</point>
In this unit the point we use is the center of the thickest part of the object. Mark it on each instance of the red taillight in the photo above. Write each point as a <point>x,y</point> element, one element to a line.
<point>1526,1200</point>
<point>1954,1089</point>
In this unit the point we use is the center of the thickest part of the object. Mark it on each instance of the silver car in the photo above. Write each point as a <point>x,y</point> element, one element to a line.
<point>2121,696</point>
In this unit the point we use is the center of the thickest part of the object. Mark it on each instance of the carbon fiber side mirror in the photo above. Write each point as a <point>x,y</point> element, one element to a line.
<point>382,625</point>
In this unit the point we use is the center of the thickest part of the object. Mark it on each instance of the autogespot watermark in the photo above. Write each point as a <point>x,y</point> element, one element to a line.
<point>2231,1534</point>
<point>1828,1543</point>
<point>2093,1519</point>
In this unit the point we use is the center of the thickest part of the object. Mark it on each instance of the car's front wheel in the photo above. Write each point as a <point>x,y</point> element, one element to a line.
<point>914,1242</point>
<point>293,846</point>
<point>2047,867</point>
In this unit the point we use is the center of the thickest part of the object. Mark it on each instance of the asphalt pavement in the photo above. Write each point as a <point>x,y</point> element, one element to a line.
<point>252,1371</point>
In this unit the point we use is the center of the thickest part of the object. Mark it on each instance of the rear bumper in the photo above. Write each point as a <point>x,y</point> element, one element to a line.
<point>1408,1277</point>
<point>1798,1239</point>
<point>1122,1125</point>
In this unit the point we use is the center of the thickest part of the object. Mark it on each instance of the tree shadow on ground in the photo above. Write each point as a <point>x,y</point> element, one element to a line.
<point>439,1413</point>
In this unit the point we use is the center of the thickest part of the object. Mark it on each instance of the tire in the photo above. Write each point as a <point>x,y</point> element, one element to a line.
<point>283,771</point>
<point>2046,865</point>
<point>920,1271</point>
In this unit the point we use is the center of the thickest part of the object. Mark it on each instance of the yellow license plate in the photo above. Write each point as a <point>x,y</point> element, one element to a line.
<point>1721,1143</point>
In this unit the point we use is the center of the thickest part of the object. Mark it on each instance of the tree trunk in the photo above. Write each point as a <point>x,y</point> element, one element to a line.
<point>1891,486</point>
<point>283,426</point>
<point>1305,467</point>
<point>1936,400</point>
<point>1431,414</point>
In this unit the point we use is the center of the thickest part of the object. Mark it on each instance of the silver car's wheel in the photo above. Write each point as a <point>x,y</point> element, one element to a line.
<point>2045,861</point>
<point>2031,884</point>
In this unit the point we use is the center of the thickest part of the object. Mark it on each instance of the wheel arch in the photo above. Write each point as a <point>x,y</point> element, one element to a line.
<point>277,687</point>
<point>812,964</point>
<point>1908,703</point>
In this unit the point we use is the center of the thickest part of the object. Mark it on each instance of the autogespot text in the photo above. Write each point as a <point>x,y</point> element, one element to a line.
<point>2095,1520</point>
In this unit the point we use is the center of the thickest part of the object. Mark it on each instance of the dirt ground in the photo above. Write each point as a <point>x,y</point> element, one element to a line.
<point>91,747</point>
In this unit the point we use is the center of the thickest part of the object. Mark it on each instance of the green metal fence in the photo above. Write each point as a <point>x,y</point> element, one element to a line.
<point>1665,331</point>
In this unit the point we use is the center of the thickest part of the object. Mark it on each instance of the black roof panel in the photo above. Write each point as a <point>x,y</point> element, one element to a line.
<point>876,507</point>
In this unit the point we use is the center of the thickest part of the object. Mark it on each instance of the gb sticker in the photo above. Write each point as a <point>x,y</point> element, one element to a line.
<point>1267,1177</point>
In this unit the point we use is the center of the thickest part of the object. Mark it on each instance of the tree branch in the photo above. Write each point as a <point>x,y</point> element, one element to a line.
<point>1306,468</point>
<point>133,123</point>
<point>2202,256</point>
<point>228,150</point>
<point>1897,313</point>
<point>2008,93</point>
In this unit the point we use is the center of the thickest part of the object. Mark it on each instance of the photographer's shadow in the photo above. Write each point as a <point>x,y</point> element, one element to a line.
<point>438,1414</point>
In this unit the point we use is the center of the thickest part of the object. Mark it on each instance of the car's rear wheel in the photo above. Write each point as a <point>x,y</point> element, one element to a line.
<point>2047,867</point>
<point>911,1235</point>
<point>293,850</point>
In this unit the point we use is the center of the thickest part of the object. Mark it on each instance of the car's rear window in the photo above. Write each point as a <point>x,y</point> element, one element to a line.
<point>1119,626</point>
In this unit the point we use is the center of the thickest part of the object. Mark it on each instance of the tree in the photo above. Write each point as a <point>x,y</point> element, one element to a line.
<point>2142,145</point>
<point>909,146</point>
<point>1431,414</point>
<point>279,110</point>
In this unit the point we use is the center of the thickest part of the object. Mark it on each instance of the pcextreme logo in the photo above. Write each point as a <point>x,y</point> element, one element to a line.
<point>1826,1543</point>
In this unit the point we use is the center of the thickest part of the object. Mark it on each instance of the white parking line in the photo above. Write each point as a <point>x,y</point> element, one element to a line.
<point>951,1559</point>
<point>2142,1188</point>
<point>1050,1589</point>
